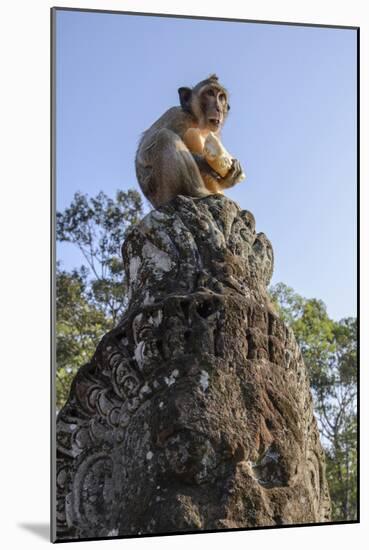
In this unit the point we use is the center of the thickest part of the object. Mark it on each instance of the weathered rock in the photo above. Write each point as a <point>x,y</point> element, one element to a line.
<point>195,412</point>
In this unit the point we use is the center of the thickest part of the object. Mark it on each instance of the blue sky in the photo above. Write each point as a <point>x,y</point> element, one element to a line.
<point>292,124</point>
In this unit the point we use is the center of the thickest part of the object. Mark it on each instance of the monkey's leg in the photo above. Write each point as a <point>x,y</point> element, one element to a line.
<point>174,170</point>
<point>210,178</point>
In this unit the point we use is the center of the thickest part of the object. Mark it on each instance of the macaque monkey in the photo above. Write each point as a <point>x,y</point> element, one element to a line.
<point>181,153</point>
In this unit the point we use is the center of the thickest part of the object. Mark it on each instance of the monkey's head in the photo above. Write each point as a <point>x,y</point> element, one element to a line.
<point>207,102</point>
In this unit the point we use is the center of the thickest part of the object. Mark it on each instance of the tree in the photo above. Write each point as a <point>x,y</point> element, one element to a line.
<point>79,326</point>
<point>329,349</point>
<point>98,226</point>
<point>339,421</point>
<point>91,298</point>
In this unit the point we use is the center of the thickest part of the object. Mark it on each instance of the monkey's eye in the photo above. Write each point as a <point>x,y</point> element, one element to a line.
<point>210,92</point>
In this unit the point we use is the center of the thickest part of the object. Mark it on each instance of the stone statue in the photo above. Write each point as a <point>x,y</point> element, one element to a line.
<point>195,412</point>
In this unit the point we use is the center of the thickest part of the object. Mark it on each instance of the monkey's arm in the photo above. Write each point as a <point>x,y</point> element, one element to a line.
<point>213,181</point>
<point>235,175</point>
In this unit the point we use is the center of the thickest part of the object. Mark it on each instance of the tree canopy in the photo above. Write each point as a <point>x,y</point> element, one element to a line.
<point>329,349</point>
<point>97,226</point>
<point>91,298</point>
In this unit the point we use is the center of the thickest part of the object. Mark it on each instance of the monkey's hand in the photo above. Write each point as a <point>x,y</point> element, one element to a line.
<point>235,175</point>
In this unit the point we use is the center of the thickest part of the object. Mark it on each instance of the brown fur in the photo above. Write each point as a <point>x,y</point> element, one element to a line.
<point>165,167</point>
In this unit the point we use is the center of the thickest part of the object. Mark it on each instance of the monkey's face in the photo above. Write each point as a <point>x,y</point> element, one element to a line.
<point>207,102</point>
<point>213,102</point>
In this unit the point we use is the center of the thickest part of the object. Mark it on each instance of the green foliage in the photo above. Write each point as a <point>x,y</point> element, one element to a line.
<point>98,226</point>
<point>342,472</point>
<point>91,299</point>
<point>79,325</point>
<point>329,349</point>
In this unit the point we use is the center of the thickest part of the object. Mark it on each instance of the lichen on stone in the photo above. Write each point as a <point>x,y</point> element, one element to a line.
<point>200,391</point>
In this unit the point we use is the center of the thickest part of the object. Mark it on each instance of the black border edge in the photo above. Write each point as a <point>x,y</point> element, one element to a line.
<point>358,270</point>
<point>53,535</point>
<point>207,531</point>
<point>204,17</point>
<point>53,10</point>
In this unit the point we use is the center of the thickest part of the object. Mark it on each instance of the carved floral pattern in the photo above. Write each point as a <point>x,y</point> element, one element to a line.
<point>195,411</point>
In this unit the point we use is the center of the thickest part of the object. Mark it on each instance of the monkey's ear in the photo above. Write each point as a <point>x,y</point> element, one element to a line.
<point>185,97</point>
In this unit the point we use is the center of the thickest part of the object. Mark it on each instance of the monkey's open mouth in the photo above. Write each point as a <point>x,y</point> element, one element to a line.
<point>214,121</point>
